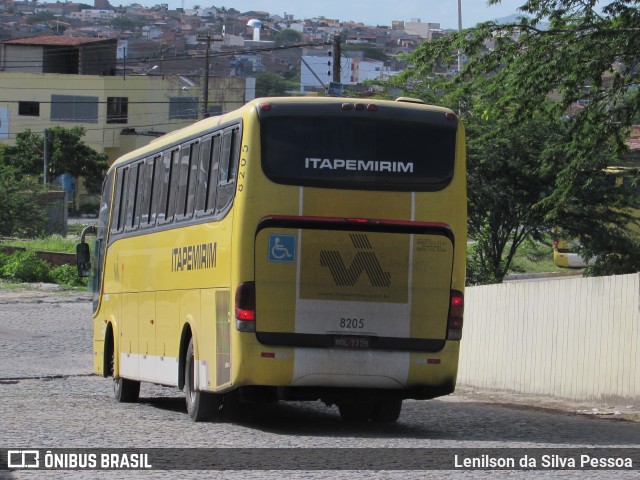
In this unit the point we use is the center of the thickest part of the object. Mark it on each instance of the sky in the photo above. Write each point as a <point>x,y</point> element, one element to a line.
<point>369,12</point>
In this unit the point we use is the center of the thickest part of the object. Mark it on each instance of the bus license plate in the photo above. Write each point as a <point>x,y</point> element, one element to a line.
<point>350,341</point>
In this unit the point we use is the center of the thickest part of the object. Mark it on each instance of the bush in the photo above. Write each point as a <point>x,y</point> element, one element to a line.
<point>67,275</point>
<point>26,267</point>
<point>21,214</point>
<point>4,258</point>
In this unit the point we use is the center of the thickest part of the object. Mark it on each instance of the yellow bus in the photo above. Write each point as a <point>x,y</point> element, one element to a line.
<point>293,249</point>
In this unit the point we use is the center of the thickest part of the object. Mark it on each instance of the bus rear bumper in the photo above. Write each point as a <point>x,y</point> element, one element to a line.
<point>314,373</point>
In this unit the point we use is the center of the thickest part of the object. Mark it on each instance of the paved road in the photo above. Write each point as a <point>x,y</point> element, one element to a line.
<point>49,399</point>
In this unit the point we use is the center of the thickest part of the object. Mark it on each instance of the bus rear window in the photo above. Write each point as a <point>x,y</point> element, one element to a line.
<point>363,152</point>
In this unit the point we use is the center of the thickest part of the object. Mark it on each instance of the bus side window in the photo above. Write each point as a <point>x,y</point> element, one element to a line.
<point>214,170</point>
<point>132,196</point>
<point>119,201</point>
<point>204,164</point>
<point>192,181</point>
<point>139,194</point>
<point>147,217</point>
<point>186,180</point>
<point>235,155</point>
<point>164,211</point>
<point>225,157</point>
<point>173,185</point>
<point>228,168</point>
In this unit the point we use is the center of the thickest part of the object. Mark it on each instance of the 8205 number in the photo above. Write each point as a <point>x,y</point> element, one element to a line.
<point>352,323</point>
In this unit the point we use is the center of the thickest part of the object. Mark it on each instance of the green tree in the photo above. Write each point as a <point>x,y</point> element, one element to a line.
<point>585,60</point>
<point>68,154</point>
<point>510,169</point>
<point>273,85</point>
<point>125,22</point>
<point>40,17</point>
<point>287,36</point>
<point>20,215</point>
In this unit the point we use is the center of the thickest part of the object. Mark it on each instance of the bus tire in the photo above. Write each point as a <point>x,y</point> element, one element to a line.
<point>125,390</point>
<point>386,411</point>
<point>201,406</point>
<point>355,412</point>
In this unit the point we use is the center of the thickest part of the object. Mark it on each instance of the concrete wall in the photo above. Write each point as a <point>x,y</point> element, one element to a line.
<point>54,258</point>
<point>575,338</point>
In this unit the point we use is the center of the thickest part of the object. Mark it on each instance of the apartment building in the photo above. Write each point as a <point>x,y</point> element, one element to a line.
<point>68,81</point>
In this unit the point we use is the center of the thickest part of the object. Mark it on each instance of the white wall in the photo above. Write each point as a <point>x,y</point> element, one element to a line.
<point>575,338</point>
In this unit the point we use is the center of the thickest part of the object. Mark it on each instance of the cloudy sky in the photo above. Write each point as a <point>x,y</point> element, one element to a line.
<point>370,12</point>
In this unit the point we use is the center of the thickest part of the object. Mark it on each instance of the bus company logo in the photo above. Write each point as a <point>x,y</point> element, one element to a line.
<point>364,261</point>
<point>194,257</point>
<point>357,165</point>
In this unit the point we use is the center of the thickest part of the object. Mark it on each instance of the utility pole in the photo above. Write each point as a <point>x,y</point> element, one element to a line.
<point>336,58</point>
<point>205,93</point>
<point>205,106</point>
<point>162,60</point>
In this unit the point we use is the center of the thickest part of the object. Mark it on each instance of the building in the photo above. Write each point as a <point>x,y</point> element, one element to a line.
<point>58,54</point>
<point>65,81</point>
<point>68,81</point>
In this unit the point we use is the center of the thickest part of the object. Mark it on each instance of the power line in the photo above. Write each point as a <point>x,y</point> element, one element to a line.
<point>148,58</point>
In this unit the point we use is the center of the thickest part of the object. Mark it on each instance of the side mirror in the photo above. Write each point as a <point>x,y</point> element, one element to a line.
<point>83,258</point>
<point>83,255</point>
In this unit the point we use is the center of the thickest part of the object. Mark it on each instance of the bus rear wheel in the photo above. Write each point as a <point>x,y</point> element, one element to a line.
<point>201,406</point>
<point>386,411</point>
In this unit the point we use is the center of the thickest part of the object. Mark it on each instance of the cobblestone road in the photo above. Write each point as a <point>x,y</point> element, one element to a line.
<point>49,399</point>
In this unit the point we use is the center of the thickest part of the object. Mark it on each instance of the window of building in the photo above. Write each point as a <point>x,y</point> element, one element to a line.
<point>117,109</point>
<point>74,108</point>
<point>29,109</point>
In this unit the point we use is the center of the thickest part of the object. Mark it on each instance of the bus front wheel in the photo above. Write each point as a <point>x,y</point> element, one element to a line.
<point>201,406</point>
<point>124,390</point>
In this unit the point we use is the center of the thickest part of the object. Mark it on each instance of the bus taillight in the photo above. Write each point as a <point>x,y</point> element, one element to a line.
<point>456,311</point>
<point>246,307</point>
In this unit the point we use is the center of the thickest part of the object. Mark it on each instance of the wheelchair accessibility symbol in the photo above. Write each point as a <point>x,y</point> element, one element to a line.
<point>282,248</point>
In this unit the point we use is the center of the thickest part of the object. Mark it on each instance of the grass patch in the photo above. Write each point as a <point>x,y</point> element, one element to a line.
<point>53,243</point>
<point>534,257</point>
